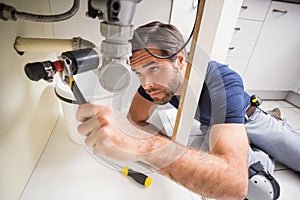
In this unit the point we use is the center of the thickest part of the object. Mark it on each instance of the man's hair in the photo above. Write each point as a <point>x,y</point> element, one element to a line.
<point>164,37</point>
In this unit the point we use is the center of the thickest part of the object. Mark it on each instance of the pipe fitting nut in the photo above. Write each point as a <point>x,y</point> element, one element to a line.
<point>7,12</point>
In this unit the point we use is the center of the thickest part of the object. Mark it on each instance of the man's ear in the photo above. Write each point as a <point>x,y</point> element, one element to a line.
<point>181,60</point>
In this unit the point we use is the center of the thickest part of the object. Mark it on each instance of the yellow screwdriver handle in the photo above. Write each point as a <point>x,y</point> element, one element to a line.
<point>137,176</point>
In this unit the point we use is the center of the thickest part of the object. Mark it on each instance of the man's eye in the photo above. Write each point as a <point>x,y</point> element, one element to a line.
<point>153,69</point>
<point>138,74</point>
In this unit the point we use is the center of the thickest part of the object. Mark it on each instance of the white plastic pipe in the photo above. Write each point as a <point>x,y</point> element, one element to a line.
<point>42,45</point>
<point>50,45</point>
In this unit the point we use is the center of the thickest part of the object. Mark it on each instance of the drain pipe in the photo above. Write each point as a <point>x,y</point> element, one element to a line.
<point>23,45</point>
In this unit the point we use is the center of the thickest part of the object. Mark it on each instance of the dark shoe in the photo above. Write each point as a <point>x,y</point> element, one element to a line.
<point>275,113</point>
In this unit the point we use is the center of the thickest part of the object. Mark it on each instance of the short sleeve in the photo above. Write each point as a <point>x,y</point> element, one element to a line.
<point>226,92</point>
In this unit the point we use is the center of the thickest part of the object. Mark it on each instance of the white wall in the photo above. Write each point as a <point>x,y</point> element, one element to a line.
<point>152,10</point>
<point>28,111</point>
<point>78,25</point>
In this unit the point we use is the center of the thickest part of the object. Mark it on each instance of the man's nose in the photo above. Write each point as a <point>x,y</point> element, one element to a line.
<point>147,86</point>
<point>146,82</point>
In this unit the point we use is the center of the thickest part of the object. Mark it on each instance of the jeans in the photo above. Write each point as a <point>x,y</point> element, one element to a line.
<point>277,138</point>
<point>270,140</point>
<point>254,154</point>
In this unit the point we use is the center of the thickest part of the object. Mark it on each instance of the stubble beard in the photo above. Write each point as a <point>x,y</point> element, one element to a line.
<point>167,96</point>
<point>168,93</point>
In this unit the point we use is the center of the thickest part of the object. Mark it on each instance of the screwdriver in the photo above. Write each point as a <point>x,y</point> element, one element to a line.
<point>137,176</point>
<point>76,92</point>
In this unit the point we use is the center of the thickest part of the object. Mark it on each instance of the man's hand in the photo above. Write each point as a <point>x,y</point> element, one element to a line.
<point>110,133</point>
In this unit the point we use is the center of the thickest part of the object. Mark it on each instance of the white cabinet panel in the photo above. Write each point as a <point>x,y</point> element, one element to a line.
<point>247,29</point>
<point>240,48</point>
<point>254,9</point>
<point>275,64</point>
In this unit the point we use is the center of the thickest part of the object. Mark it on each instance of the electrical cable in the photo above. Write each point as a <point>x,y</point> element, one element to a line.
<point>48,18</point>
<point>174,54</point>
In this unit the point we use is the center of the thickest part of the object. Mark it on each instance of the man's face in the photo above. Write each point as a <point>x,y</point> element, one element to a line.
<point>160,78</point>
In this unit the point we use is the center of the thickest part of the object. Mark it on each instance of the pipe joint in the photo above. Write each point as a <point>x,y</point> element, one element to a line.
<point>7,12</point>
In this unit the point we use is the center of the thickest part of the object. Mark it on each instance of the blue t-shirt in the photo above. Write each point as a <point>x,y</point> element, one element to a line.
<point>222,99</point>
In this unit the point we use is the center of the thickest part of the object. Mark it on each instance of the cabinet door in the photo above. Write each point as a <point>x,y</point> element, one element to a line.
<point>254,9</point>
<point>240,48</point>
<point>247,29</point>
<point>275,62</point>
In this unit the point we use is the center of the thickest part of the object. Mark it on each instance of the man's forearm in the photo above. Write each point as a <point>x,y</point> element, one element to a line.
<point>150,128</point>
<point>210,175</point>
<point>204,173</point>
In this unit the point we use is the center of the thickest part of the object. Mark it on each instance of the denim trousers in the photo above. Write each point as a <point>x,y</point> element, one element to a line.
<point>272,139</point>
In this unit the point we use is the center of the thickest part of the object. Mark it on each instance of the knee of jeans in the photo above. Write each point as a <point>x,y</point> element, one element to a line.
<point>255,155</point>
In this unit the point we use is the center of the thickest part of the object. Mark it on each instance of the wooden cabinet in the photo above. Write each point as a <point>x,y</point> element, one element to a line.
<point>275,62</point>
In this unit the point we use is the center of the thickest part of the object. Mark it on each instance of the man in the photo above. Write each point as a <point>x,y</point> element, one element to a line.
<point>220,173</point>
<point>264,130</point>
